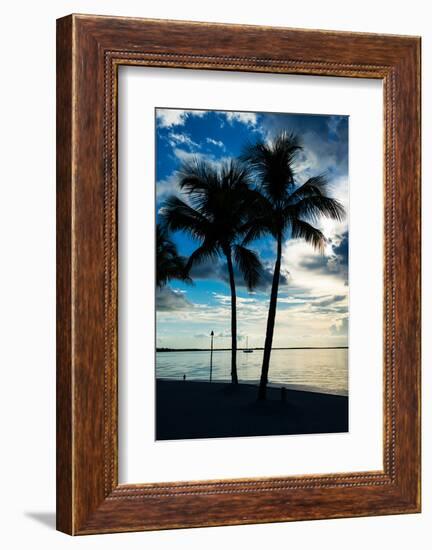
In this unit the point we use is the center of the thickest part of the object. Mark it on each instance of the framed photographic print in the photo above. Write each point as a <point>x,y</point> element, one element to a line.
<point>238,289</point>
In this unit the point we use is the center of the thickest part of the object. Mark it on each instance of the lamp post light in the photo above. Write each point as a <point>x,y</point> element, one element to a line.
<point>211,355</point>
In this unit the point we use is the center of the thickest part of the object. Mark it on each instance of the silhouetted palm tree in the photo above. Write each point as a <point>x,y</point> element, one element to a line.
<point>285,209</point>
<point>169,265</point>
<point>219,205</point>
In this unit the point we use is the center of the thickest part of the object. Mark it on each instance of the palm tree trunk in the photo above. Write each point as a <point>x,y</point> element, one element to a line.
<point>262,392</point>
<point>234,377</point>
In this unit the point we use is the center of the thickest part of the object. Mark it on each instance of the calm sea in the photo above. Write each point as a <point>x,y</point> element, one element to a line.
<point>321,370</point>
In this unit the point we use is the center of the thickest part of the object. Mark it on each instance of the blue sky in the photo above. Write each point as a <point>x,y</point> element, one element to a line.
<point>313,294</point>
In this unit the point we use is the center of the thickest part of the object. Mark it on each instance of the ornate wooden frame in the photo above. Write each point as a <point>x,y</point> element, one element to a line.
<point>89,51</point>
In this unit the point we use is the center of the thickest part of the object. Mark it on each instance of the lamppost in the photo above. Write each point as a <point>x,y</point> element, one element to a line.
<point>211,355</point>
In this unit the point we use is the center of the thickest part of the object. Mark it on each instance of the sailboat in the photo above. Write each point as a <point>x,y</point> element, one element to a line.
<point>247,348</point>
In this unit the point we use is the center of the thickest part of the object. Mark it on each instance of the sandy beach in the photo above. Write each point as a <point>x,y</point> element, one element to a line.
<point>192,410</point>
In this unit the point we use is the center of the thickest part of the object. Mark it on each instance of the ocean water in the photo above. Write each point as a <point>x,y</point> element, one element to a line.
<point>320,370</point>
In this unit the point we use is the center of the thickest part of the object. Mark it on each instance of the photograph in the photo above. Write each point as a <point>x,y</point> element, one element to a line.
<point>251,273</point>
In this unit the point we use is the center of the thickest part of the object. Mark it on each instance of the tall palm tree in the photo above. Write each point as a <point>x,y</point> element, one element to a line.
<point>219,204</point>
<point>169,265</point>
<point>285,209</point>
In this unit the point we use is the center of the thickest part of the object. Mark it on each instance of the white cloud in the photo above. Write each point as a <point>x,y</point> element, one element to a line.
<point>338,189</point>
<point>187,156</point>
<point>340,327</point>
<point>181,139</point>
<point>167,186</point>
<point>170,117</point>
<point>170,300</point>
<point>317,156</point>
<point>298,257</point>
<point>250,119</point>
<point>292,300</point>
<point>167,118</point>
<point>226,299</point>
<point>215,142</point>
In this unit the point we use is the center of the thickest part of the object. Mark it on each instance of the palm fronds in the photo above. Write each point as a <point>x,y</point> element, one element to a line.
<point>249,265</point>
<point>303,230</point>
<point>169,265</point>
<point>179,216</point>
<point>220,204</point>
<point>273,163</point>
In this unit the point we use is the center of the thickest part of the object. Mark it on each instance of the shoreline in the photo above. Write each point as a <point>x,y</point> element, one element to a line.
<point>171,350</point>
<point>202,410</point>
<point>255,383</point>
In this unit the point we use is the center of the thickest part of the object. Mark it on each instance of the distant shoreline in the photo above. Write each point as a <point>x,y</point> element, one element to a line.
<point>160,350</point>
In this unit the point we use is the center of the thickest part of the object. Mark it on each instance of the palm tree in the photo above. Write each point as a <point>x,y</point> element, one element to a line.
<point>218,208</point>
<point>285,209</point>
<point>169,265</point>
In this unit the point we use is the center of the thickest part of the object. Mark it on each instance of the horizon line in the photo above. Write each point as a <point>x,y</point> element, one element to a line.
<point>257,349</point>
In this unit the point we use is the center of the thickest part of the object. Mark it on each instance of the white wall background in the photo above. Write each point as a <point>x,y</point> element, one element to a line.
<point>27,289</point>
